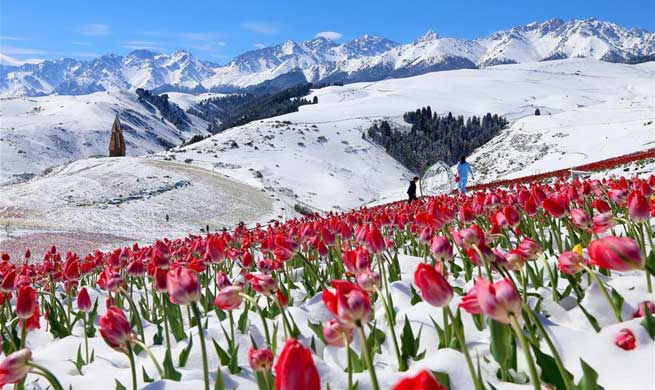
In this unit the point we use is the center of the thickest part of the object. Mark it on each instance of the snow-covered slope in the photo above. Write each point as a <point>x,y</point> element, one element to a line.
<point>38,133</point>
<point>321,60</point>
<point>317,157</point>
<point>590,110</point>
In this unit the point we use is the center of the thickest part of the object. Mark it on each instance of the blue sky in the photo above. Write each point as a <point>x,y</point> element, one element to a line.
<point>219,30</point>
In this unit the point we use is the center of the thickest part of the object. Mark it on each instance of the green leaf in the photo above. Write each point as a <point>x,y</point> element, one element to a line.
<point>648,322</point>
<point>242,322</point>
<point>443,378</point>
<point>222,355</point>
<point>233,364</point>
<point>478,320</point>
<point>146,378</point>
<point>650,262</point>
<point>443,343</point>
<point>157,338</point>
<point>317,328</point>
<point>589,380</point>
<point>169,370</point>
<point>408,345</point>
<point>503,346</point>
<point>356,363</point>
<point>549,372</point>
<point>184,354</point>
<point>375,339</point>
<point>415,297</point>
<point>119,386</point>
<point>90,323</point>
<point>617,298</point>
<point>78,362</point>
<point>592,320</point>
<point>175,323</point>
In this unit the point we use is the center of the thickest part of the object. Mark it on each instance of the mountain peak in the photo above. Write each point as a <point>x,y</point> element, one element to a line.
<point>428,36</point>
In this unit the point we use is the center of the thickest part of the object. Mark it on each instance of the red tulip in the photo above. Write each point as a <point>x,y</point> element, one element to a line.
<point>8,282</point>
<point>434,288</point>
<point>336,334</point>
<point>115,328</point>
<point>26,302</point>
<point>498,300</point>
<point>638,207</point>
<point>262,283</point>
<point>424,380</point>
<point>33,322</point>
<point>260,360</point>
<point>470,301</point>
<point>641,309</point>
<point>626,340</point>
<point>374,240</point>
<point>616,253</point>
<point>136,268</point>
<point>295,369</point>
<point>229,298</point>
<point>14,367</point>
<point>160,279</point>
<point>350,304</point>
<point>183,286</point>
<point>556,205</point>
<point>216,248</point>
<point>83,300</point>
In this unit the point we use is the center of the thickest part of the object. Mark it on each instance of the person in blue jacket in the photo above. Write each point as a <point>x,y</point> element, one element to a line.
<point>463,170</point>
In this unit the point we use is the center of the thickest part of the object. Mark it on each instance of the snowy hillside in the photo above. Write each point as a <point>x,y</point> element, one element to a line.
<point>317,158</point>
<point>590,110</point>
<point>38,133</point>
<point>321,60</point>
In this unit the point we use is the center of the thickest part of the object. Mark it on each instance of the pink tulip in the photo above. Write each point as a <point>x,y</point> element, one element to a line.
<point>626,340</point>
<point>14,367</point>
<point>368,280</point>
<point>83,300</point>
<point>260,360</point>
<point>498,300</point>
<point>262,283</point>
<point>229,298</point>
<point>441,248</point>
<point>349,304</point>
<point>638,207</point>
<point>580,219</point>
<point>183,286</point>
<point>570,262</point>
<point>336,334</point>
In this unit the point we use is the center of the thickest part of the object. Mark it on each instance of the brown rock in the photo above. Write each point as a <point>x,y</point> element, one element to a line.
<point>116,142</point>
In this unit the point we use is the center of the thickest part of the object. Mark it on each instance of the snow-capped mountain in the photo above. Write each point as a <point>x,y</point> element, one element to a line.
<point>366,58</point>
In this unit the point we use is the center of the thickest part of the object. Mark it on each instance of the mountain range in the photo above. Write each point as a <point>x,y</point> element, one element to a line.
<point>367,58</point>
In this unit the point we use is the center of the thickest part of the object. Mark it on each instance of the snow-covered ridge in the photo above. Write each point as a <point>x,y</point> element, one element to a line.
<point>366,58</point>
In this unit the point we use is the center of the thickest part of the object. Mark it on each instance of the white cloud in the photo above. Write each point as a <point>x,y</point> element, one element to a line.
<point>331,35</point>
<point>21,51</point>
<point>260,27</point>
<point>81,43</point>
<point>259,45</point>
<point>95,29</point>
<point>143,45</point>
<point>11,38</point>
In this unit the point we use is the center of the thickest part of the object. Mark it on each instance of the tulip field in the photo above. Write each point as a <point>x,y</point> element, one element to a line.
<point>540,286</point>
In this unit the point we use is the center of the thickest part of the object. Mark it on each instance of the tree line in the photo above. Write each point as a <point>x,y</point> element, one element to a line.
<point>433,137</point>
<point>229,111</point>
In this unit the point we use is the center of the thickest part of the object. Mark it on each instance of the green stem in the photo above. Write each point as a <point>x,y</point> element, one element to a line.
<point>551,276</point>
<point>152,357</point>
<point>133,309</point>
<point>47,374</point>
<point>615,309</point>
<point>402,365</point>
<point>349,358</point>
<point>568,383</point>
<point>130,356</point>
<point>261,314</point>
<point>367,356</point>
<point>203,348</point>
<point>462,342</point>
<point>86,339</point>
<point>536,383</point>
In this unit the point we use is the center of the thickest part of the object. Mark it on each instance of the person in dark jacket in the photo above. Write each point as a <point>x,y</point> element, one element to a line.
<point>411,191</point>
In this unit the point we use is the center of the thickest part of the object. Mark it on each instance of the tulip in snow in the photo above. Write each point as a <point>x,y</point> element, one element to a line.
<point>616,253</point>
<point>349,304</point>
<point>14,367</point>
<point>115,328</point>
<point>626,340</point>
<point>498,300</point>
<point>229,298</point>
<point>183,286</point>
<point>295,369</point>
<point>260,360</point>
<point>434,288</point>
<point>424,380</point>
